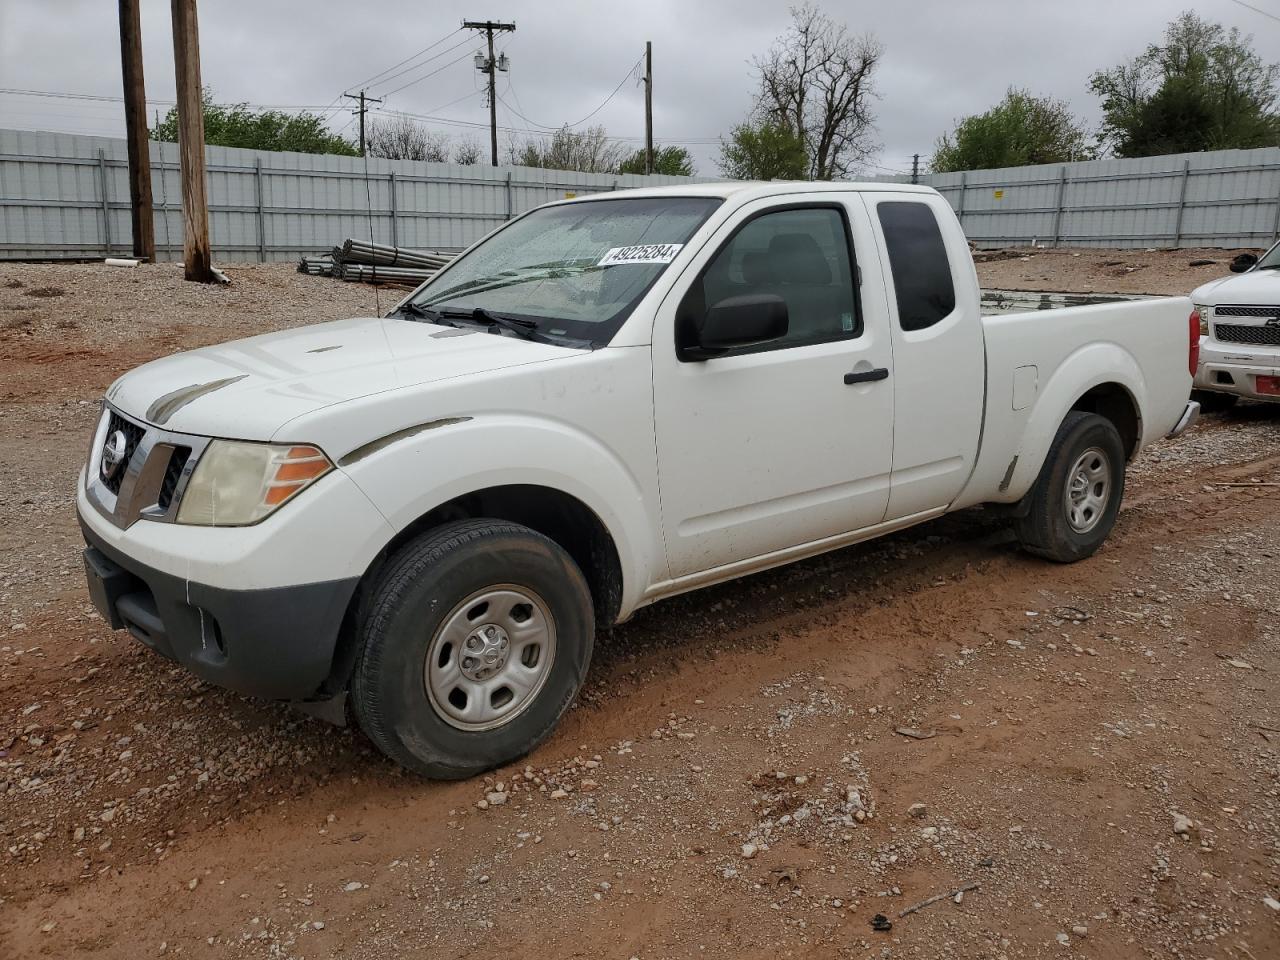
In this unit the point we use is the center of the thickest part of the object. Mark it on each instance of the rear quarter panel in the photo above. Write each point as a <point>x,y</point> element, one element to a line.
<point>1140,345</point>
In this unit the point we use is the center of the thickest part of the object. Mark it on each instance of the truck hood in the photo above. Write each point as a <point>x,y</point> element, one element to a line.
<point>1255,288</point>
<point>248,389</point>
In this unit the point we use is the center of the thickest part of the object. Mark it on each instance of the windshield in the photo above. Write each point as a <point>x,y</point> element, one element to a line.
<point>575,270</point>
<point>1271,259</point>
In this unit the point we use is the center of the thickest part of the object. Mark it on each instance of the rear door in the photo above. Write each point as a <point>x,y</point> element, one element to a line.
<point>768,448</point>
<point>939,376</point>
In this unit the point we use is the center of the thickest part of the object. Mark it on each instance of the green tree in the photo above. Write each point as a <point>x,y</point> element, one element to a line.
<point>236,125</point>
<point>1202,88</point>
<point>669,161</point>
<point>763,151</point>
<point>1021,129</point>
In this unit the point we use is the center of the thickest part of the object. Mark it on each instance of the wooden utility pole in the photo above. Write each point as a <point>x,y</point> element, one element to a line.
<point>135,123</point>
<point>362,110</point>
<point>196,257</point>
<point>490,27</point>
<point>648,107</point>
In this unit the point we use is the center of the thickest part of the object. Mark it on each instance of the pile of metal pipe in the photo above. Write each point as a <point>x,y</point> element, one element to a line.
<point>321,266</point>
<point>385,255</point>
<point>365,262</point>
<point>371,273</point>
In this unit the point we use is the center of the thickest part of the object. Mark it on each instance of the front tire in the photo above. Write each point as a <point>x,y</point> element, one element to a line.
<point>476,638</point>
<point>1076,498</point>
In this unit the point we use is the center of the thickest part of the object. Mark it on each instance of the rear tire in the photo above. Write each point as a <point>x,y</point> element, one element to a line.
<point>1076,498</point>
<point>476,638</point>
<point>1213,402</point>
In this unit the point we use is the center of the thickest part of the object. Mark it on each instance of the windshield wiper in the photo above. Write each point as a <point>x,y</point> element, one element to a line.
<point>415,309</point>
<point>523,328</point>
<point>500,281</point>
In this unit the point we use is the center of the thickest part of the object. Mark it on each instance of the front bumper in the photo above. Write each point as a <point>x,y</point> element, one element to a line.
<point>1234,370</point>
<point>277,643</point>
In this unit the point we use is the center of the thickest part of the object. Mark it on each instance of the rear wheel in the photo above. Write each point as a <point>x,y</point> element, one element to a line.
<point>1213,402</point>
<point>476,639</point>
<point>1076,498</point>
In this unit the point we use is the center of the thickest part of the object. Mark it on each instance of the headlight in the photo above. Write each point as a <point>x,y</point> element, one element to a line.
<point>238,483</point>
<point>1205,312</point>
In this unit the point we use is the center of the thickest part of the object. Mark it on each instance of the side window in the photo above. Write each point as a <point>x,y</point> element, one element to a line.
<point>801,255</point>
<point>918,261</point>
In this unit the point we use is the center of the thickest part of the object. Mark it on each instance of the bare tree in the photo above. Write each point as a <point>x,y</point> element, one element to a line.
<point>816,80</point>
<point>467,151</point>
<point>587,151</point>
<point>402,138</point>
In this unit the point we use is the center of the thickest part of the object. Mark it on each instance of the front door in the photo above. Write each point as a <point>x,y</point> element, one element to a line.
<point>768,447</point>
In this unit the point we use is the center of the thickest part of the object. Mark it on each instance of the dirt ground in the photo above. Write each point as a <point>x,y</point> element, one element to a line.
<point>1092,755</point>
<point>1091,270</point>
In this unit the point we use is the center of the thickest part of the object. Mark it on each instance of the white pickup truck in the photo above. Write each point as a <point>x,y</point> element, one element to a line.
<point>1240,328</point>
<point>607,401</point>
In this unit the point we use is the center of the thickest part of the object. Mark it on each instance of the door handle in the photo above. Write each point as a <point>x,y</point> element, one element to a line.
<point>867,376</point>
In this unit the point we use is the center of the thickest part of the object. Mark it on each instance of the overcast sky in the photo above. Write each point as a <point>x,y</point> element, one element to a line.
<point>943,59</point>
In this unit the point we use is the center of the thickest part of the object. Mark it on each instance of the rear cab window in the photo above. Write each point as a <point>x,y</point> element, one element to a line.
<point>918,263</point>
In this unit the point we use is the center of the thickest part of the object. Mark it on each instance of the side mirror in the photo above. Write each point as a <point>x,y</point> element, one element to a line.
<point>732,324</point>
<point>1245,261</point>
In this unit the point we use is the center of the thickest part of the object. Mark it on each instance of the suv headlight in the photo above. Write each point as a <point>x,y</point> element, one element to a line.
<point>237,483</point>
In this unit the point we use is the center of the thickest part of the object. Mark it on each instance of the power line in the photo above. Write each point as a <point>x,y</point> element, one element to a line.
<point>60,95</point>
<point>629,75</point>
<point>382,76</point>
<point>427,75</point>
<point>1248,6</point>
<point>464,42</point>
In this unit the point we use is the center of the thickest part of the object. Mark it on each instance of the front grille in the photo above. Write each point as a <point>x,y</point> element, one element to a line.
<point>132,436</point>
<point>1240,310</point>
<point>1238,333</point>
<point>172,474</point>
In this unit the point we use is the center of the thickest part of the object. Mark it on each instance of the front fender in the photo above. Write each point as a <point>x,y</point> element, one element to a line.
<point>1090,366</point>
<point>412,476</point>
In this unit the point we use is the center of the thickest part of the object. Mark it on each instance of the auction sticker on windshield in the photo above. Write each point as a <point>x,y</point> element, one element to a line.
<point>641,253</point>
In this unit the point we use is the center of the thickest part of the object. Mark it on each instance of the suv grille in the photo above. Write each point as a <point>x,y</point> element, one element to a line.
<point>1237,310</point>
<point>172,474</point>
<point>1238,333</point>
<point>132,435</point>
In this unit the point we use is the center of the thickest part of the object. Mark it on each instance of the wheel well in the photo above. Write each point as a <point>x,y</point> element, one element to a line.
<point>555,514</point>
<point>1114,402</point>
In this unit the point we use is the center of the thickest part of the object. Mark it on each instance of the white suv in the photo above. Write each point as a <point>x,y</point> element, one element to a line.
<point>1240,333</point>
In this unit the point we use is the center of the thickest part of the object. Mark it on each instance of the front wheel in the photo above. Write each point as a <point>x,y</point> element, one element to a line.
<point>476,639</point>
<point>1076,498</point>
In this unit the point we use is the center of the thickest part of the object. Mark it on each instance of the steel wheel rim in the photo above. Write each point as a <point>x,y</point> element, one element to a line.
<point>490,657</point>
<point>1088,490</point>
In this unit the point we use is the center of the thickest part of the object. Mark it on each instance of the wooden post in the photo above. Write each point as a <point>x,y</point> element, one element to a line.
<point>135,122</point>
<point>197,260</point>
<point>648,107</point>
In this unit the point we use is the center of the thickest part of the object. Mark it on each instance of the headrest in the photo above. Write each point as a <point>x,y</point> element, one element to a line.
<point>797,258</point>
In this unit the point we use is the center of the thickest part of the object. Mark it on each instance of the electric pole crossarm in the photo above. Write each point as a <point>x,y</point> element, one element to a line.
<point>362,110</point>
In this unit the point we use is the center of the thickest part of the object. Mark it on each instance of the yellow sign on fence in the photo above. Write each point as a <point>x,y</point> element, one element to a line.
<point>999,194</point>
